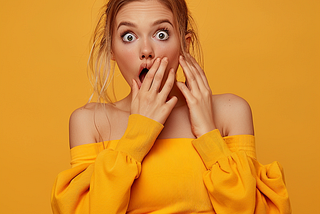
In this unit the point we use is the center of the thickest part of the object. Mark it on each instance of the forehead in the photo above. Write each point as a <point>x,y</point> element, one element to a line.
<point>143,12</point>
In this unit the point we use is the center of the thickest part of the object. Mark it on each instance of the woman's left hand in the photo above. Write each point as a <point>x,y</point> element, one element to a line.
<point>198,96</point>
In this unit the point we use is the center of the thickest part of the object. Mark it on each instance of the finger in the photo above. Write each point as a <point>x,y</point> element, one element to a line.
<point>172,102</point>
<point>190,78</point>
<point>201,85</point>
<point>194,71</point>
<point>200,70</point>
<point>150,75</point>
<point>186,93</point>
<point>157,80</point>
<point>168,85</point>
<point>197,72</point>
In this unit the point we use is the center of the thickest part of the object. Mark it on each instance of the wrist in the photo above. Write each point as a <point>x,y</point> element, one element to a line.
<point>206,130</point>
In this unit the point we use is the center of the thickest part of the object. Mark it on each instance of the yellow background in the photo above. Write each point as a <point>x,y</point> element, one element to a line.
<point>265,51</point>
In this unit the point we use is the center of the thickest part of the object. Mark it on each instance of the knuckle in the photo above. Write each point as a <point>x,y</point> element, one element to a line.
<point>148,99</point>
<point>193,101</point>
<point>158,77</point>
<point>150,76</point>
<point>169,84</point>
<point>192,78</point>
<point>206,93</point>
<point>195,70</point>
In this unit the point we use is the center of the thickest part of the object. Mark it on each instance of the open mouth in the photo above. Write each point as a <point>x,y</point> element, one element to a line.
<point>143,74</point>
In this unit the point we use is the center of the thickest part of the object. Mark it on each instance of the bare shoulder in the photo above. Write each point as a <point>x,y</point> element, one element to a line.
<point>232,115</point>
<point>83,124</point>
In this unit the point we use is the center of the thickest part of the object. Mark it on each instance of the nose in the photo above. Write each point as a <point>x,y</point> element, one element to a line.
<point>147,51</point>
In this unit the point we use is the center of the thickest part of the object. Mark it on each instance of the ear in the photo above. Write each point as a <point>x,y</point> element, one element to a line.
<point>188,40</point>
<point>112,56</point>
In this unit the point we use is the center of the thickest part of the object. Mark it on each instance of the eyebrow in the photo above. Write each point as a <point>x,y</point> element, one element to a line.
<point>162,21</point>
<point>130,24</point>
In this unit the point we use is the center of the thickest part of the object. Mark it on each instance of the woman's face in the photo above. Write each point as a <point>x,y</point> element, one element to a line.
<point>144,31</point>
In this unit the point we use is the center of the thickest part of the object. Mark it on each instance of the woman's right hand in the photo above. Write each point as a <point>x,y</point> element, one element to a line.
<point>149,100</point>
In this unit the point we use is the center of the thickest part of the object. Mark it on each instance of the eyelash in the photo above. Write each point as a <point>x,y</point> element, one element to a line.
<point>125,33</point>
<point>166,30</point>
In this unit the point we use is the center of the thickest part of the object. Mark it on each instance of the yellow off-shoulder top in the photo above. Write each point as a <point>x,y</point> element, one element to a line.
<point>142,174</point>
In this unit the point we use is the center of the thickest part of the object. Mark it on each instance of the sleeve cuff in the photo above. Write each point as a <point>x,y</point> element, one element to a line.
<point>211,147</point>
<point>238,143</point>
<point>139,136</point>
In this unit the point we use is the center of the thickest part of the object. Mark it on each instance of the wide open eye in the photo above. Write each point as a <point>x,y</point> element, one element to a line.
<point>128,37</point>
<point>162,35</point>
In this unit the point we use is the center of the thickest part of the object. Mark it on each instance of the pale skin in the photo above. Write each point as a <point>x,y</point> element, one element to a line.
<point>145,35</point>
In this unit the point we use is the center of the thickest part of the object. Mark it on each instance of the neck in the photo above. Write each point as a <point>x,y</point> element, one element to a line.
<point>176,92</point>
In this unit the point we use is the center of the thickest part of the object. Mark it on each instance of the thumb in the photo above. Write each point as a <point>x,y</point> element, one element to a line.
<point>185,91</point>
<point>172,102</point>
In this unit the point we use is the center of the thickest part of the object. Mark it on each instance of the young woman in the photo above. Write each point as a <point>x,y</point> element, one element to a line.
<point>168,147</point>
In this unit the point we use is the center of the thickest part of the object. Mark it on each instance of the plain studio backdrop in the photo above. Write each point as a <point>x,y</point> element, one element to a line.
<point>267,52</point>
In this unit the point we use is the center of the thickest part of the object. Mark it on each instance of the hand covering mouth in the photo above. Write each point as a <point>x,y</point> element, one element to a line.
<point>143,74</point>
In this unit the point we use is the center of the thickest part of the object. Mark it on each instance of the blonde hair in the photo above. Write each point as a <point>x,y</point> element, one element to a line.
<point>100,63</point>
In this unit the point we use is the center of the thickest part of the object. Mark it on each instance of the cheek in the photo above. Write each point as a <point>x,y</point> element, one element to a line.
<point>172,51</point>
<point>123,53</point>
<point>123,56</point>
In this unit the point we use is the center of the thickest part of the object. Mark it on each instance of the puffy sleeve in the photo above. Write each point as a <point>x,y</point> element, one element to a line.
<point>236,181</point>
<point>101,183</point>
